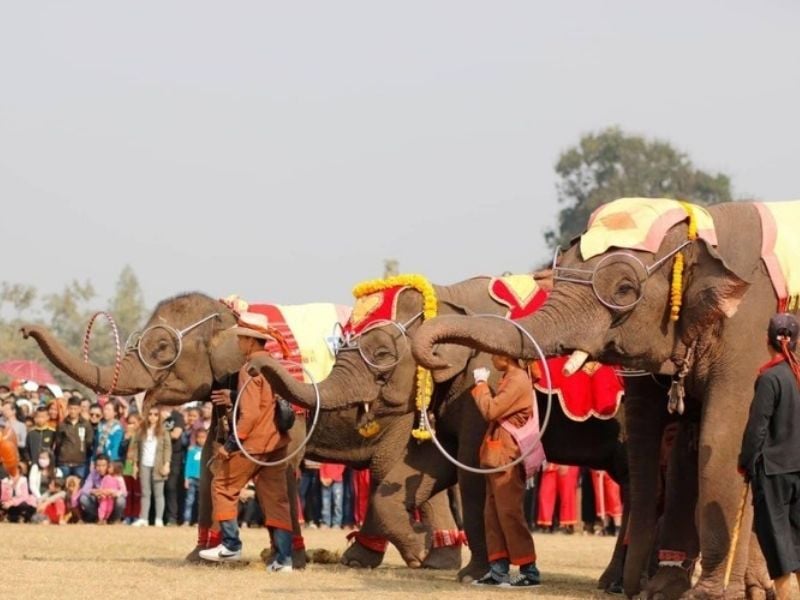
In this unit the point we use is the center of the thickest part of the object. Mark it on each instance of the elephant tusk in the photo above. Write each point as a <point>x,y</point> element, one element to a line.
<point>575,362</point>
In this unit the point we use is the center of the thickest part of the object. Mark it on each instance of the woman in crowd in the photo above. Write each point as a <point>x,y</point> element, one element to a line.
<point>151,451</point>
<point>42,472</point>
<point>108,433</point>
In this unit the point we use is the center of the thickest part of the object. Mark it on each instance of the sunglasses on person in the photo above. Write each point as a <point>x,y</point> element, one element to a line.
<point>95,415</point>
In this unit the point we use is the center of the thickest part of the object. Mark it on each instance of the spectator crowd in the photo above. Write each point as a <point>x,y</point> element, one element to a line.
<point>106,460</point>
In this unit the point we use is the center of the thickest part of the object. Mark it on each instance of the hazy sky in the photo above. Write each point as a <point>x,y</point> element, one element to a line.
<point>282,150</point>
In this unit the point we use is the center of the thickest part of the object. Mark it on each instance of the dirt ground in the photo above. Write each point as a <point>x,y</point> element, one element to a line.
<point>115,561</point>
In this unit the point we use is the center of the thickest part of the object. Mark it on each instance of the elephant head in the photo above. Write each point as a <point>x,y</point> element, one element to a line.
<point>613,308</point>
<point>375,367</point>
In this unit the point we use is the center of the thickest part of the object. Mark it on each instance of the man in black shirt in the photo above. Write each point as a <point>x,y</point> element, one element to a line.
<point>770,456</point>
<point>174,489</point>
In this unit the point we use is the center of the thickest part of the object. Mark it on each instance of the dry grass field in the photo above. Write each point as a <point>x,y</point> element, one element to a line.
<point>115,561</point>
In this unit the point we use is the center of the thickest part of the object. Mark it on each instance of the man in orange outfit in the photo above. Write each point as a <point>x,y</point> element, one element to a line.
<point>558,481</point>
<point>259,436</point>
<point>507,537</point>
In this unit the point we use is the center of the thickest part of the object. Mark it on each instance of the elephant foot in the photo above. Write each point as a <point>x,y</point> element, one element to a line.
<point>358,556</point>
<point>446,558</point>
<point>669,583</point>
<point>712,590</point>
<point>194,556</point>
<point>758,592</point>
<point>611,579</point>
<point>473,571</point>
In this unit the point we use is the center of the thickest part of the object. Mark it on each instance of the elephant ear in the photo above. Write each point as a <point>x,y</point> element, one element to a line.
<point>226,358</point>
<point>455,355</point>
<point>715,287</point>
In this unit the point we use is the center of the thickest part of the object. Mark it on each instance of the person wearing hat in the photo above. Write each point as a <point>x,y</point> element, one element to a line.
<point>259,436</point>
<point>770,455</point>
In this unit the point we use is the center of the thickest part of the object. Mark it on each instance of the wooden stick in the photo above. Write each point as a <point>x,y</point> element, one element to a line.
<point>735,538</point>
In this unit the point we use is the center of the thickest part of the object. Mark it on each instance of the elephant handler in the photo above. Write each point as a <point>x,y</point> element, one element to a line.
<point>770,456</point>
<point>507,537</point>
<point>260,437</point>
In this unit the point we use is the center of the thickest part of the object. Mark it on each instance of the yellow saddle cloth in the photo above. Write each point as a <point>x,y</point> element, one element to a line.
<point>780,249</point>
<point>639,224</point>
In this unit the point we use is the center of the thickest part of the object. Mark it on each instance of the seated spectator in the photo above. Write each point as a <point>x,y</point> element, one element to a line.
<point>102,497</point>
<point>330,476</point>
<point>52,507</point>
<point>16,501</point>
<point>42,437</point>
<point>72,486</point>
<point>42,472</point>
<point>191,474</point>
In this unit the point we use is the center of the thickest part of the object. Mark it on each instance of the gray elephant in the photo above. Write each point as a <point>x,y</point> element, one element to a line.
<point>189,351</point>
<point>373,366</point>
<point>668,288</point>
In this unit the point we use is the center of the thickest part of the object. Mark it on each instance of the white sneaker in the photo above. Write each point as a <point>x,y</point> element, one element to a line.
<point>276,567</point>
<point>221,554</point>
<point>159,522</point>
<point>139,523</point>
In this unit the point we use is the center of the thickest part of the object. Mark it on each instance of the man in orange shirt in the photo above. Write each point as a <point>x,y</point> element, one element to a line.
<point>260,437</point>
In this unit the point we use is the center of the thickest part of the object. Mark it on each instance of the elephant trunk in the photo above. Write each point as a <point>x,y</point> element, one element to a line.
<point>337,391</point>
<point>645,420</point>
<point>133,378</point>
<point>486,334</point>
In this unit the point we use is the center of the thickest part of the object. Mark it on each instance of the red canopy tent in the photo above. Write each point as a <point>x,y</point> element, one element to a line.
<point>29,370</point>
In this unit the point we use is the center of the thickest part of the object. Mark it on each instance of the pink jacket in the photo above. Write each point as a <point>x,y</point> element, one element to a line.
<point>16,494</point>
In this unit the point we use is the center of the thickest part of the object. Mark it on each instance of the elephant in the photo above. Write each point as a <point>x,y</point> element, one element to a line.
<point>391,394</point>
<point>208,357</point>
<point>705,327</point>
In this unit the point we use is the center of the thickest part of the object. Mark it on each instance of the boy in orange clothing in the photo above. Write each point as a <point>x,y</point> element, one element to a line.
<point>507,537</point>
<point>260,437</point>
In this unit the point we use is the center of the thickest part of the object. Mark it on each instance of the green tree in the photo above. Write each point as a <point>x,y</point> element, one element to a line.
<point>608,165</point>
<point>127,306</point>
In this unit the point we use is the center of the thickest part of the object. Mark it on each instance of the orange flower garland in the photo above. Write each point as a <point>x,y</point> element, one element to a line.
<point>676,290</point>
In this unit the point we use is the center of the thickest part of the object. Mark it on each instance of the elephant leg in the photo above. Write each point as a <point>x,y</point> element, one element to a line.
<point>445,552</point>
<point>645,414</point>
<point>296,436</point>
<point>611,579</point>
<point>409,484</point>
<point>679,544</point>
<point>720,487</point>
<point>368,545</point>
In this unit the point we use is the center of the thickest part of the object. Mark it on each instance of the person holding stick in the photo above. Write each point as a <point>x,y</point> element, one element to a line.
<point>770,455</point>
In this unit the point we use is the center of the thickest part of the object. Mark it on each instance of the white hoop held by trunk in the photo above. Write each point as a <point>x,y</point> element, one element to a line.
<point>297,450</point>
<point>426,423</point>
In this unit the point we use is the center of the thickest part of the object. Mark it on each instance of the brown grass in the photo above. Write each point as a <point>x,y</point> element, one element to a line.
<point>115,561</point>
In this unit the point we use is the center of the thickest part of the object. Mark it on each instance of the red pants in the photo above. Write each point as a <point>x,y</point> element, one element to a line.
<point>564,480</point>
<point>607,499</point>
<point>361,485</point>
<point>55,511</point>
<point>133,499</point>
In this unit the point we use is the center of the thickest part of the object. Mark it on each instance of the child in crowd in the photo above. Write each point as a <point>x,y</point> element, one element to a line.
<point>52,508</point>
<point>111,486</point>
<point>331,476</point>
<point>72,487</point>
<point>16,501</point>
<point>191,473</point>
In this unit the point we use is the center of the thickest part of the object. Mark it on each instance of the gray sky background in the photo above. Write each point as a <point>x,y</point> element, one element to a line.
<point>282,150</point>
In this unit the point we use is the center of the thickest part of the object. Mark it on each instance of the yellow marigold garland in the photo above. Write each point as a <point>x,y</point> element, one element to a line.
<point>676,291</point>
<point>429,310</point>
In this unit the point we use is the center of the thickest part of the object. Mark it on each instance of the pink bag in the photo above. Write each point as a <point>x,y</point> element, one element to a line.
<point>527,439</point>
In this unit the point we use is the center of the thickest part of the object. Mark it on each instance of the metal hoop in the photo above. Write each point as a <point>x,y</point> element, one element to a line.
<point>297,450</point>
<point>118,350</point>
<point>545,422</point>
